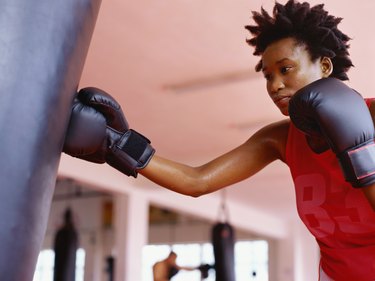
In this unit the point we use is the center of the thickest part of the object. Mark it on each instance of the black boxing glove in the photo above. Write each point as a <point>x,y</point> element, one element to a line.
<point>86,135</point>
<point>329,108</point>
<point>124,149</point>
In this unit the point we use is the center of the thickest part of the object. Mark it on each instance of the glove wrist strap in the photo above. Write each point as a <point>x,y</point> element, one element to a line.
<point>132,152</point>
<point>358,164</point>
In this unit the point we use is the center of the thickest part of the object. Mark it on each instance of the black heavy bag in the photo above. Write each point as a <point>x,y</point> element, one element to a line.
<point>223,243</point>
<point>43,48</point>
<point>65,246</point>
<point>110,268</point>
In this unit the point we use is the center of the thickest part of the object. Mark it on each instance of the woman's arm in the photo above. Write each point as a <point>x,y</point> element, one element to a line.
<point>265,146</point>
<point>187,268</point>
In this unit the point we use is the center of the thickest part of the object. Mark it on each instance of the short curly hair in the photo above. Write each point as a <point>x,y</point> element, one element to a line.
<point>311,26</point>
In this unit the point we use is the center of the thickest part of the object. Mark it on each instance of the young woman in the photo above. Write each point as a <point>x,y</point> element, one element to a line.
<point>301,51</point>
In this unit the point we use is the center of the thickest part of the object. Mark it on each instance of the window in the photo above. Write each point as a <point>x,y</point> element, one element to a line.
<point>251,260</point>
<point>45,265</point>
<point>80,264</point>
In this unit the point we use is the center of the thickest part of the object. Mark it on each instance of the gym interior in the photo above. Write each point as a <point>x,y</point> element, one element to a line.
<point>184,76</point>
<point>123,232</point>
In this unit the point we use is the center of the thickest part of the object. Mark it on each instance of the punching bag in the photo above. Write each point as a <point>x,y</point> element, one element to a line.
<point>43,48</point>
<point>110,268</point>
<point>65,247</point>
<point>223,244</point>
<point>223,239</point>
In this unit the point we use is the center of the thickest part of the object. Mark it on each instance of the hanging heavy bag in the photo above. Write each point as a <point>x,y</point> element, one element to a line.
<point>223,244</point>
<point>65,246</point>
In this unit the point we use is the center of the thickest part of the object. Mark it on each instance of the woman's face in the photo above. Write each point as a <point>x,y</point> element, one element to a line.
<point>287,67</point>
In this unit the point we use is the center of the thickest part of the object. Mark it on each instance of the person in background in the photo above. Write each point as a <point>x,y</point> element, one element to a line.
<point>165,269</point>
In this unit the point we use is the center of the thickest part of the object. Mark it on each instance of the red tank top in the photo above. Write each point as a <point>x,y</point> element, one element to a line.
<point>338,215</point>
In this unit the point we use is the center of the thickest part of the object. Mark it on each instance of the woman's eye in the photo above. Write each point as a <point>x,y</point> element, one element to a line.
<point>285,69</point>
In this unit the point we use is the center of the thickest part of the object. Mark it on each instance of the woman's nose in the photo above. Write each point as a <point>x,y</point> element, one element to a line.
<point>276,85</point>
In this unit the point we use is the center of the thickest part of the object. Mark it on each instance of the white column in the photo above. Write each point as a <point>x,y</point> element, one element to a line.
<point>306,254</point>
<point>282,259</point>
<point>131,234</point>
<point>295,257</point>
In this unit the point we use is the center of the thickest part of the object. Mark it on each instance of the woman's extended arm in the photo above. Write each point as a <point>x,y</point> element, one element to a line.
<point>265,146</point>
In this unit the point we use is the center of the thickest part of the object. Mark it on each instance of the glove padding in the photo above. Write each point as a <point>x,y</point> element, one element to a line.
<point>329,108</point>
<point>98,132</point>
<point>86,133</point>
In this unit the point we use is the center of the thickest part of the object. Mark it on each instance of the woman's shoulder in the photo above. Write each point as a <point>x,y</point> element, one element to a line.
<point>274,136</point>
<point>276,130</point>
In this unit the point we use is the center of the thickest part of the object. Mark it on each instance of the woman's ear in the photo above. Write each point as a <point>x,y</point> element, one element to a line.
<point>327,66</point>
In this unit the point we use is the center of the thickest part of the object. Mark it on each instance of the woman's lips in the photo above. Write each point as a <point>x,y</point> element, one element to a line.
<point>282,101</point>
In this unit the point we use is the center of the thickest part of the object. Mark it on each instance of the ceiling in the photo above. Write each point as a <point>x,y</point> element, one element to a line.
<point>185,78</point>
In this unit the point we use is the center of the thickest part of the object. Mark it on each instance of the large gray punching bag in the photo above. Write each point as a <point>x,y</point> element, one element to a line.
<point>43,46</point>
